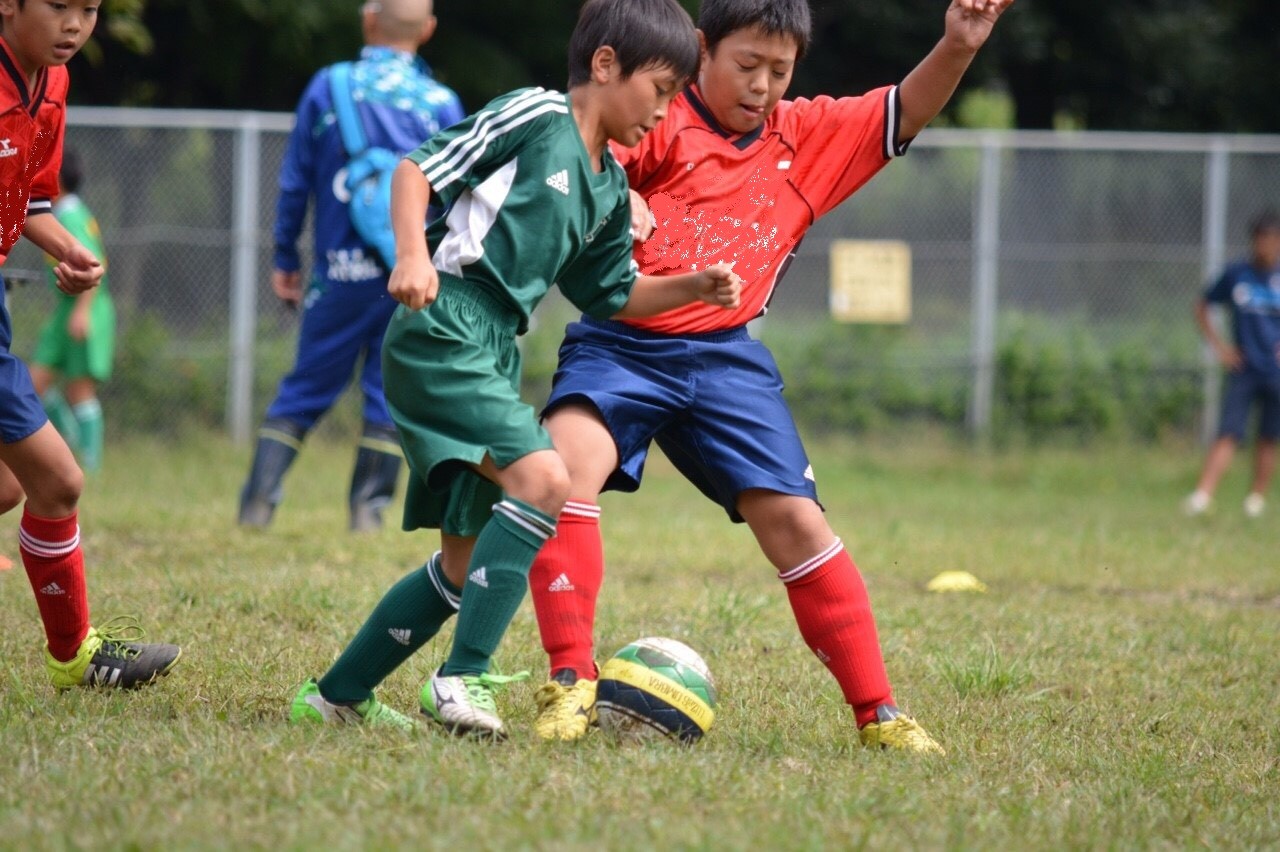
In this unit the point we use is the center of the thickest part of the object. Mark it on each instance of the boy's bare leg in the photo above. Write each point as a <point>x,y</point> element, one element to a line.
<point>1216,462</point>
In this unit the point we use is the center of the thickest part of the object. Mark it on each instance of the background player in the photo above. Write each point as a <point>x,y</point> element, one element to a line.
<point>77,344</point>
<point>736,174</point>
<point>1250,290</point>
<point>346,307</point>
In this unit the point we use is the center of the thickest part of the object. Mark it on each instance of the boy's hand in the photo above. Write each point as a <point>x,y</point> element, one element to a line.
<point>1231,358</point>
<point>969,22</point>
<point>719,285</point>
<point>287,286</point>
<point>642,222</point>
<point>78,270</point>
<point>414,282</point>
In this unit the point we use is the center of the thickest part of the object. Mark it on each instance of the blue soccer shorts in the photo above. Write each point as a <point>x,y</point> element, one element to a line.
<point>20,411</point>
<point>713,402</point>
<point>342,325</point>
<point>1243,390</point>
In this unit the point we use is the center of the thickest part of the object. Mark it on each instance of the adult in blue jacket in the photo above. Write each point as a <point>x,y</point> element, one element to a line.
<point>345,304</point>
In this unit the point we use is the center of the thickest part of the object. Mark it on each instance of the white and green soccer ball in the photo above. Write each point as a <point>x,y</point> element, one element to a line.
<point>656,688</point>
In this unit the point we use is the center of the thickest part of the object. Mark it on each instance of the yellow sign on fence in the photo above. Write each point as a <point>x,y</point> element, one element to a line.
<point>871,281</point>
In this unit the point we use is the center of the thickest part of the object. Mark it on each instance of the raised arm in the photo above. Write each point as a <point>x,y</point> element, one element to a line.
<point>929,86</point>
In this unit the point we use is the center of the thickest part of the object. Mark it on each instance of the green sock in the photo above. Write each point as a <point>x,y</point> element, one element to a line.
<point>59,414</point>
<point>88,416</point>
<point>496,582</point>
<point>403,621</point>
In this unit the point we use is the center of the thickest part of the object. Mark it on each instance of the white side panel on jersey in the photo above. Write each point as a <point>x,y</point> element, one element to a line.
<point>470,219</point>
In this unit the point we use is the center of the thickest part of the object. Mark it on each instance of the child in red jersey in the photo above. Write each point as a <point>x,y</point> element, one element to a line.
<point>735,174</point>
<point>37,38</point>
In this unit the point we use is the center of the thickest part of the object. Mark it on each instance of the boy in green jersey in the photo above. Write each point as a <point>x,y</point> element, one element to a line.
<point>77,344</point>
<point>534,198</point>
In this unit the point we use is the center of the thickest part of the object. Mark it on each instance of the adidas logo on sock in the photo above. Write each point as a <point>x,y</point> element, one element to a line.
<point>822,655</point>
<point>560,584</point>
<point>560,181</point>
<point>400,634</point>
<point>477,576</point>
<point>52,589</point>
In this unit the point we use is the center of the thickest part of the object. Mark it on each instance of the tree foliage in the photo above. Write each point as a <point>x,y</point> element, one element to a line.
<point>1199,65</point>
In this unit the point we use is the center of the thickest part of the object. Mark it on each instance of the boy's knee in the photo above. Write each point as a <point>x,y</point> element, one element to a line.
<point>544,485</point>
<point>11,495</point>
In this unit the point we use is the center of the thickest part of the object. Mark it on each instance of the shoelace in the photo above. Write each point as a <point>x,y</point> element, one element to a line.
<point>117,636</point>
<point>480,688</point>
<point>377,712</point>
<point>553,695</point>
<point>909,731</point>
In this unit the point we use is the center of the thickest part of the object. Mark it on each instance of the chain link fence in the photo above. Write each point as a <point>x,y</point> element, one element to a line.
<point>1052,278</point>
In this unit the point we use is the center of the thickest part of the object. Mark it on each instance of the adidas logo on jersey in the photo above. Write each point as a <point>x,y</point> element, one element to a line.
<point>560,584</point>
<point>400,634</point>
<point>560,181</point>
<point>52,589</point>
<point>478,577</point>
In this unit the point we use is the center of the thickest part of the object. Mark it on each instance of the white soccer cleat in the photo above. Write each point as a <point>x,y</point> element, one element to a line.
<point>1254,505</point>
<point>464,704</point>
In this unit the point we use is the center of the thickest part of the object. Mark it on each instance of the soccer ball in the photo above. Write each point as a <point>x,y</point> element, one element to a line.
<point>656,688</point>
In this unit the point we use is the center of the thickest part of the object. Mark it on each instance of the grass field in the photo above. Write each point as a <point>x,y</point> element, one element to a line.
<point>1116,687</point>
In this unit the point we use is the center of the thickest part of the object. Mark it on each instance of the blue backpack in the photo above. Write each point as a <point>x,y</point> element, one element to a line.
<point>368,178</point>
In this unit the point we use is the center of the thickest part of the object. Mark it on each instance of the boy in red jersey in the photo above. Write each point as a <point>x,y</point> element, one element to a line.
<point>735,174</point>
<point>37,38</point>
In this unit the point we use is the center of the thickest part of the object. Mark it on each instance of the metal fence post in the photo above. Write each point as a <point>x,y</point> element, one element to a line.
<point>244,261</point>
<point>1214,240</point>
<point>986,252</point>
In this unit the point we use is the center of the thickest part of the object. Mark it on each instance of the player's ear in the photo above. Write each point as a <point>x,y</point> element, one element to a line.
<point>702,47</point>
<point>604,64</point>
<point>428,30</point>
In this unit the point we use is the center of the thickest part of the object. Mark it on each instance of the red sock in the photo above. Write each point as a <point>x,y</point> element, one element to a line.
<point>834,614</point>
<point>564,583</point>
<point>51,553</point>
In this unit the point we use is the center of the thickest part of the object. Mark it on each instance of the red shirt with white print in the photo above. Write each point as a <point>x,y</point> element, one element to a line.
<point>749,199</point>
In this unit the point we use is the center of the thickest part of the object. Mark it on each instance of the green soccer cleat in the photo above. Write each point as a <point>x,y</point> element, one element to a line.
<point>895,729</point>
<point>310,707</point>
<point>566,706</point>
<point>464,704</point>
<point>113,656</point>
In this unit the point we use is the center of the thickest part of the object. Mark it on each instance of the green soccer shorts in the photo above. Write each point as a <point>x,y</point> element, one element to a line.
<point>451,373</point>
<point>79,359</point>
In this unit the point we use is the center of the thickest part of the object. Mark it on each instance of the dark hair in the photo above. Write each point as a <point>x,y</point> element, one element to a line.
<point>72,172</point>
<point>719,19</point>
<point>1267,220</point>
<point>644,34</point>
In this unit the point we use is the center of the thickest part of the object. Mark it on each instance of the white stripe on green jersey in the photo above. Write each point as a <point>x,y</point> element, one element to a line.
<point>462,153</point>
<point>525,209</point>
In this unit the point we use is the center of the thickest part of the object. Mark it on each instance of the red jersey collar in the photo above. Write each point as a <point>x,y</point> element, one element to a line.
<point>704,112</point>
<point>30,99</point>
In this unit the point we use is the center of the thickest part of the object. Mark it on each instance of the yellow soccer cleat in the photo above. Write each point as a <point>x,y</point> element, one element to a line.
<point>113,656</point>
<point>895,729</point>
<point>566,706</point>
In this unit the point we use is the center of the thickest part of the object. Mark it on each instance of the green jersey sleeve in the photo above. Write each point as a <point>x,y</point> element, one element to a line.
<point>599,280</point>
<point>460,157</point>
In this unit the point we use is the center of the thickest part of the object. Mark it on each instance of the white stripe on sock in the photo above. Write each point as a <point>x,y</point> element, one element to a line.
<point>810,565</point>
